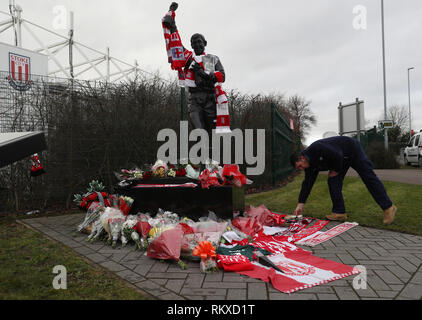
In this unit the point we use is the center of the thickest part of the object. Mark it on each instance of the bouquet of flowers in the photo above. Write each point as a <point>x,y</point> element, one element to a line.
<point>112,221</point>
<point>143,227</point>
<point>192,172</point>
<point>97,231</point>
<point>125,174</point>
<point>129,232</point>
<point>163,219</point>
<point>172,173</point>
<point>116,225</point>
<point>208,231</point>
<point>159,169</point>
<point>167,246</point>
<point>233,176</point>
<point>210,178</point>
<point>94,212</point>
<point>264,216</point>
<point>206,251</point>
<point>181,172</point>
<point>125,204</point>
<point>94,193</point>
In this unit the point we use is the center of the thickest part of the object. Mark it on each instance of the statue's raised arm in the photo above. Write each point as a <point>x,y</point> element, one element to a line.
<point>169,21</point>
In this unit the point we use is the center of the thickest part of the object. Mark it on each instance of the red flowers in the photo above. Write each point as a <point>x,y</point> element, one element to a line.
<point>181,173</point>
<point>84,203</point>
<point>93,197</point>
<point>147,175</point>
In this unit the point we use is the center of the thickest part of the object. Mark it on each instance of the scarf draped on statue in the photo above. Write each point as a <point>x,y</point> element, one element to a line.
<point>178,56</point>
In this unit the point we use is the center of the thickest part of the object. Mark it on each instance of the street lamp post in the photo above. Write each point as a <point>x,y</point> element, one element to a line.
<point>384,75</point>
<point>410,113</point>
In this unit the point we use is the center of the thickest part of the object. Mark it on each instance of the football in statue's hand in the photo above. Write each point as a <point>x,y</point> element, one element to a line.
<point>174,6</point>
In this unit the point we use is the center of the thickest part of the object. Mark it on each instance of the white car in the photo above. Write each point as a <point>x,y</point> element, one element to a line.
<point>413,151</point>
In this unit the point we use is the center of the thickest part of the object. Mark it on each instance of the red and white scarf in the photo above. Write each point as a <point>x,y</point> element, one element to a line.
<point>178,56</point>
<point>36,167</point>
<point>321,237</point>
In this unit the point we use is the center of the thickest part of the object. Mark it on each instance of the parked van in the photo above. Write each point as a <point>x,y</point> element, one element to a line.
<point>413,151</point>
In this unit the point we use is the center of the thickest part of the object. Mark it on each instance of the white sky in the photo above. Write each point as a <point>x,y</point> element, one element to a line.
<point>291,47</point>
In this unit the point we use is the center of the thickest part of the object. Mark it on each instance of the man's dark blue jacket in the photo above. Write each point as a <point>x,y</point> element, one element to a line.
<point>335,153</point>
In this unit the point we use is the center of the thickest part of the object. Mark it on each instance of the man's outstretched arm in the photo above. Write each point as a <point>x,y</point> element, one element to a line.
<point>307,184</point>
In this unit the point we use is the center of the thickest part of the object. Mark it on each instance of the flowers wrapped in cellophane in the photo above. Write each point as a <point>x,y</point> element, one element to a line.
<point>133,174</point>
<point>97,231</point>
<point>94,193</point>
<point>94,212</point>
<point>167,245</point>
<point>112,221</point>
<point>163,220</point>
<point>129,232</point>
<point>233,176</point>
<point>125,204</point>
<point>143,228</point>
<point>197,232</point>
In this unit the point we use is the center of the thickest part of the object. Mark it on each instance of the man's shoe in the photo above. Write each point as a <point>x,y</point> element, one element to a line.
<point>337,217</point>
<point>389,215</point>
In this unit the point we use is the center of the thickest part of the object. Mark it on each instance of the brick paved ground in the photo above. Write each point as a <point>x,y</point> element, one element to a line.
<point>392,260</point>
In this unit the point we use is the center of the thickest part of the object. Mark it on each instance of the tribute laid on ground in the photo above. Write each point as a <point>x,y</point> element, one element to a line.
<point>254,242</point>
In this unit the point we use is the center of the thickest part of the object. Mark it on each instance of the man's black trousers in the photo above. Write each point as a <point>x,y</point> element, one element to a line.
<point>363,166</point>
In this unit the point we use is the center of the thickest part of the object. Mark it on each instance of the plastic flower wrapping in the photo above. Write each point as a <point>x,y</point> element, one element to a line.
<point>129,232</point>
<point>209,231</point>
<point>125,204</point>
<point>93,213</point>
<point>112,221</point>
<point>167,245</point>
<point>97,231</point>
<point>125,174</point>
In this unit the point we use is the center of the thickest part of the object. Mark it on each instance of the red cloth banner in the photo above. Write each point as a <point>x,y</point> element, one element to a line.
<point>301,270</point>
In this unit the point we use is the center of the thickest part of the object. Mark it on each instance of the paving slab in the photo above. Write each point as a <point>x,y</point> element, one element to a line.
<point>392,261</point>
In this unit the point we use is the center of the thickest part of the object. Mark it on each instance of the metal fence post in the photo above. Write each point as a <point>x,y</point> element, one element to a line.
<point>358,118</point>
<point>272,146</point>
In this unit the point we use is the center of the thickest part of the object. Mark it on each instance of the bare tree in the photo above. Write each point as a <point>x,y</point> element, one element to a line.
<point>400,117</point>
<point>303,117</point>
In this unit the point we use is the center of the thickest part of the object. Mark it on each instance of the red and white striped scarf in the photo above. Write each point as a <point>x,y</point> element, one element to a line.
<point>178,56</point>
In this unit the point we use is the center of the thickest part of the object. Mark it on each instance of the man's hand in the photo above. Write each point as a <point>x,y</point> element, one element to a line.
<point>332,174</point>
<point>299,209</point>
<point>174,6</point>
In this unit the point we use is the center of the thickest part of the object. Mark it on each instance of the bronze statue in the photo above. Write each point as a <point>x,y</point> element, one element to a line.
<point>204,71</point>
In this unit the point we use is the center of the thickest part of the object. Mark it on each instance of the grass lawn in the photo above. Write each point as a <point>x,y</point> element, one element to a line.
<point>27,260</point>
<point>360,205</point>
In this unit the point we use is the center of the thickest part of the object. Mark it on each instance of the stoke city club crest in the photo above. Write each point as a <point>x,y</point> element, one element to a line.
<point>19,72</point>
